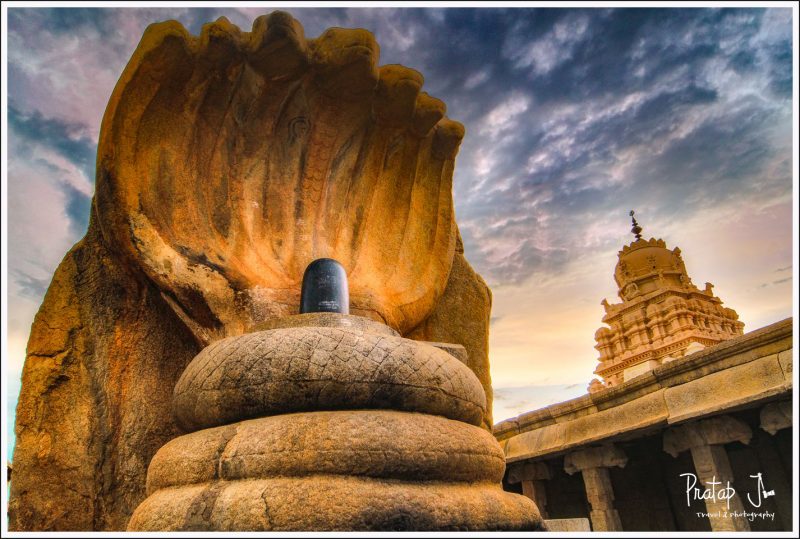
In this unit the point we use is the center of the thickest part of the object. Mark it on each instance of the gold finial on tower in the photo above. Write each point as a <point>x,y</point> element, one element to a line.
<point>636,230</point>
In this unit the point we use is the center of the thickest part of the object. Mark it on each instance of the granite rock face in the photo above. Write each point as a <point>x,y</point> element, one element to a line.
<point>227,162</point>
<point>103,358</point>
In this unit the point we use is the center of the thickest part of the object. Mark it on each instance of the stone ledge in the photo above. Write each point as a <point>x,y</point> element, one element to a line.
<point>505,429</point>
<point>752,369</point>
<point>567,525</point>
<point>632,417</point>
<point>638,387</point>
<point>752,381</point>
<point>455,350</point>
<point>774,338</point>
<point>327,320</point>
<point>543,416</point>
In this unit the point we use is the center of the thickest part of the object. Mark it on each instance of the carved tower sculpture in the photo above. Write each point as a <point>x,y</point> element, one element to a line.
<point>172,331</point>
<point>663,315</point>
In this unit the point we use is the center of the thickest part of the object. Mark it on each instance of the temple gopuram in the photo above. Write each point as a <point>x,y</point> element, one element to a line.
<point>690,428</point>
<point>663,315</point>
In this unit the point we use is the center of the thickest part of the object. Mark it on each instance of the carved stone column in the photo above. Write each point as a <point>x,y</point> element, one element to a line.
<point>706,439</point>
<point>593,463</point>
<point>532,475</point>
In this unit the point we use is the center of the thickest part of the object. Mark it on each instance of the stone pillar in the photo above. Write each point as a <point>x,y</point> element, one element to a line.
<point>776,416</point>
<point>706,439</point>
<point>593,463</point>
<point>532,475</point>
<point>657,328</point>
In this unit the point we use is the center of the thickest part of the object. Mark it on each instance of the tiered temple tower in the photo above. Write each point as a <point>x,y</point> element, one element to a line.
<point>663,315</point>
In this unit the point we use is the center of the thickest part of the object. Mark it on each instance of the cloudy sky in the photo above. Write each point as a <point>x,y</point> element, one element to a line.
<point>573,118</point>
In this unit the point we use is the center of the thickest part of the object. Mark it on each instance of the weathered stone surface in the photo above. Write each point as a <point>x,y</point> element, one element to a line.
<point>370,443</point>
<point>528,471</point>
<point>305,369</point>
<point>776,416</point>
<point>255,153</point>
<point>638,414</point>
<point>468,300</point>
<point>593,463</point>
<point>604,456</point>
<point>506,429</point>
<point>455,350</point>
<point>536,490</point>
<point>367,466</point>
<point>567,525</point>
<point>213,155</point>
<point>323,502</point>
<point>96,395</point>
<point>327,320</point>
<point>717,430</point>
<point>641,413</point>
<point>533,443</point>
<point>785,359</point>
<point>742,384</point>
<point>600,495</point>
<point>712,464</point>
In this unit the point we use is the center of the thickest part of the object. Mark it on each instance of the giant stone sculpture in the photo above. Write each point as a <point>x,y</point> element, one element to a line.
<point>226,164</point>
<point>356,429</point>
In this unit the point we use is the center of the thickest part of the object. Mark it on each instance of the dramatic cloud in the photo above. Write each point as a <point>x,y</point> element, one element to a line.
<point>573,117</point>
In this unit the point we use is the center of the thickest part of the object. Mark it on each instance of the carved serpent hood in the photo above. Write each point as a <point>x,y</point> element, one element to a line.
<point>227,162</point>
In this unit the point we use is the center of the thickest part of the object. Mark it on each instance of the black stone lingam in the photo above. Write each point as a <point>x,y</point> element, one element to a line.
<point>325,288</point>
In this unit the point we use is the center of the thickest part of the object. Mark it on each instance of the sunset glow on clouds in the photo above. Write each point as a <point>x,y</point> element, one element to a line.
<point>573,118</point>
